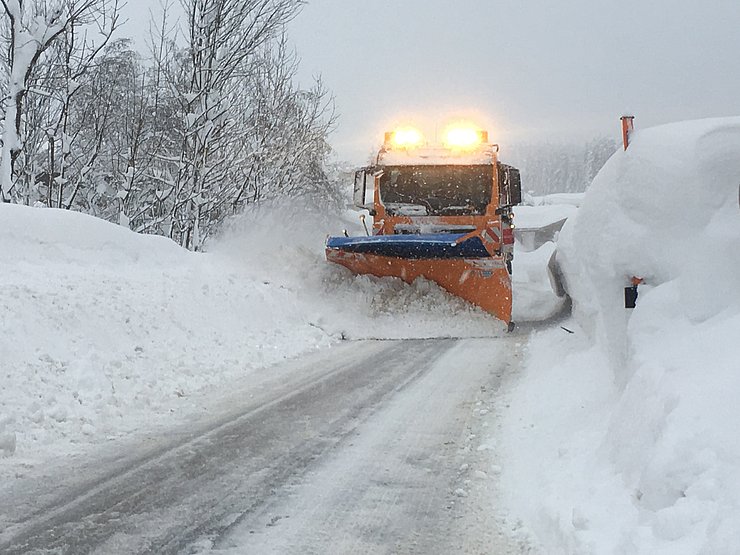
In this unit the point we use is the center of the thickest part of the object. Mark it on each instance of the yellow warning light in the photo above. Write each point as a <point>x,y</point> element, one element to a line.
<point>464,137</point>
<point>406,137</point>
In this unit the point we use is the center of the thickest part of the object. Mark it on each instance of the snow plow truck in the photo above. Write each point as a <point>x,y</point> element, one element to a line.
<point>440,211</point>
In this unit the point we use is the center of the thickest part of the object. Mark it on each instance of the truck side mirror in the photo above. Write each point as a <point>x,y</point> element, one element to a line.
<point>363,177</point>
<point>515,184</point>
<point>360,188</point>
<point>510,185</point>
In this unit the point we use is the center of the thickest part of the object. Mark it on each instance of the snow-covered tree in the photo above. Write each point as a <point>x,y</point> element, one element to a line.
<point>79,54</point>
<point>175,143</point>
<point>33,28</point>
<point>120,127</point>
<point>222,38</point>
<point>287,129</point>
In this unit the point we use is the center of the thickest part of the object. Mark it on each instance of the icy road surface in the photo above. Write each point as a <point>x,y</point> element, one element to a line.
<point>367,447</point>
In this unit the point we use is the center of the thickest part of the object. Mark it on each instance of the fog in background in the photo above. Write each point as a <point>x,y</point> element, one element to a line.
<point>531,71</point>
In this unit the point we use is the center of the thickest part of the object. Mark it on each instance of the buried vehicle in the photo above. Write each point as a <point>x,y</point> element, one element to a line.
<point>442,212</point>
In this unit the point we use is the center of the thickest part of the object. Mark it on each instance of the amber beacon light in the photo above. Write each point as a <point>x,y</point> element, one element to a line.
<point>405,137</point>
<point>464,137</point>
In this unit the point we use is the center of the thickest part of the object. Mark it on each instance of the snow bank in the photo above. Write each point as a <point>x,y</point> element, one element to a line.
<point>533,299</point>
<point>621,437</point>
<point>104,332</point>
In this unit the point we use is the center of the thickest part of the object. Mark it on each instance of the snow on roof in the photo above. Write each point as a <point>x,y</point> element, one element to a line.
<point>437,155</point>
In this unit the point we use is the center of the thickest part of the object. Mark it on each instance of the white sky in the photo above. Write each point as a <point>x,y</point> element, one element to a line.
<point>524,69</point>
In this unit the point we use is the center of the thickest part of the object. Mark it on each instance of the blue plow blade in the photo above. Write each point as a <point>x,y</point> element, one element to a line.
<point>413,246</point>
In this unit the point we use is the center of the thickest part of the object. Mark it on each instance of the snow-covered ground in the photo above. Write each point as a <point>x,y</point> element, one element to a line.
<point>104,332</point>
<point>616,438</point>
<point>622,436</point>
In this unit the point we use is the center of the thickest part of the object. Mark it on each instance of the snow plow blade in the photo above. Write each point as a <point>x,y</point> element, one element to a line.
<point>440,245</point>
<point>463,268</point>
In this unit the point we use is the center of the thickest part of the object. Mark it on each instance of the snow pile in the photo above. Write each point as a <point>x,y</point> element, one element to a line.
<point>621,437</point>
<point>533,297</point>
<point>104,332</point>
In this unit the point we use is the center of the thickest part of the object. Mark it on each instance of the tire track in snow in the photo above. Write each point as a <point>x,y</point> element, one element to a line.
<point>209,482</point>
<point>393,487</point>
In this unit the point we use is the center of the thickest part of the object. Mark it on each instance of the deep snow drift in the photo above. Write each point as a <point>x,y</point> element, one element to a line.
<point>622,437</point>
<point>104,332</point>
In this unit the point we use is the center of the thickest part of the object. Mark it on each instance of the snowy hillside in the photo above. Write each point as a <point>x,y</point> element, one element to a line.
<point>104,331</point>
<point>621,437</point>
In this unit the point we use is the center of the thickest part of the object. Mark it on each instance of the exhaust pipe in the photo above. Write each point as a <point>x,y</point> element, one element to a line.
<point>628,126</point>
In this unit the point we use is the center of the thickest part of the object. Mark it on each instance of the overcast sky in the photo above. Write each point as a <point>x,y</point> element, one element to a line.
<point>528,69</point>
<point>525,69</point>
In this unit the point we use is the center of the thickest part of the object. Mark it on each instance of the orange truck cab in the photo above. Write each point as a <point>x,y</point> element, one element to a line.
<point>442,212</point>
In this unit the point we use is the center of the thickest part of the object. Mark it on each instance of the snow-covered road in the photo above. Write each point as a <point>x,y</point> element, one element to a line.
<point>367,447</point>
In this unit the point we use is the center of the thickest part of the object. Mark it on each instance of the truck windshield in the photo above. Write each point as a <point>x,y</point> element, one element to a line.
<point>436,190</point>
